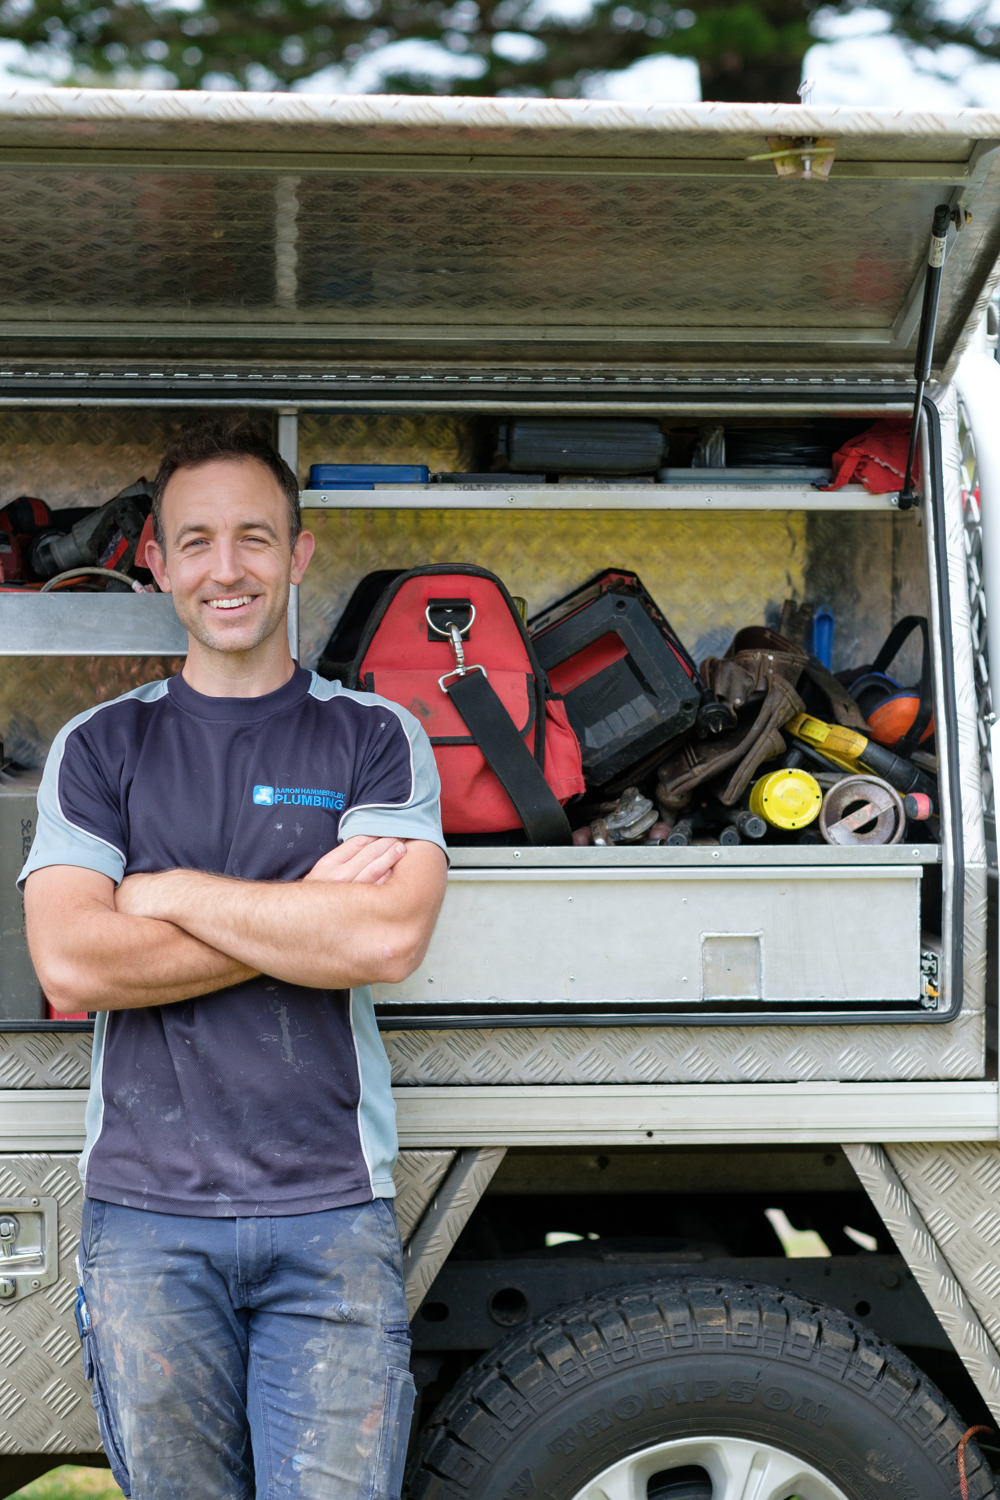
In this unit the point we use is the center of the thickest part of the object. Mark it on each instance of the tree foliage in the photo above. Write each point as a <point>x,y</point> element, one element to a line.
<point>745,50</point>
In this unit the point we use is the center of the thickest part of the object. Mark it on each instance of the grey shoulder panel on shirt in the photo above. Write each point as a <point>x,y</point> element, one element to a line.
<point>420,816</point>
<point>58,841</point>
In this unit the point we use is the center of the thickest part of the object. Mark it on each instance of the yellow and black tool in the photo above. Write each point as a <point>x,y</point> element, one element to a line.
<point>850,751</point>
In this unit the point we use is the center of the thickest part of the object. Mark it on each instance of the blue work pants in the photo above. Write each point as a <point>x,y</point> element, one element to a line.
<point>233,1358</point>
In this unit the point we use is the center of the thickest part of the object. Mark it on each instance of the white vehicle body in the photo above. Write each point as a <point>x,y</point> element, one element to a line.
<point>430,264</point>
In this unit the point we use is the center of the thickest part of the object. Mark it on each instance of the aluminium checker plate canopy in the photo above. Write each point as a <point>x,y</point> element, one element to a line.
<point>252,234</point>
<point>438,233</point>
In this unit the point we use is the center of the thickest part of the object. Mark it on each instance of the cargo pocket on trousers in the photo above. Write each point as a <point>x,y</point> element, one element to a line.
<point>105,1420</point>
<point>400,1398</point>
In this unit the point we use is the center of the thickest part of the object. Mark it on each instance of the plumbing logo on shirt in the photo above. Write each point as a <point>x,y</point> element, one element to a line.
<point>298,796</point>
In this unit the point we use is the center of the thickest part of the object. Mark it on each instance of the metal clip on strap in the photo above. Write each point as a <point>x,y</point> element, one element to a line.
<point>460,668</point>
<point>497,736</point>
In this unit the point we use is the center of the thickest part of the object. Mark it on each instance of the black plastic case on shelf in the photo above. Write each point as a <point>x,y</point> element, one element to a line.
<point>628,683</point>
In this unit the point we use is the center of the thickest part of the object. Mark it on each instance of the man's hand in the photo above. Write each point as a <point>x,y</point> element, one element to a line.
<point>364,913</point>
<point>367,860</point>
<point>363,859</point>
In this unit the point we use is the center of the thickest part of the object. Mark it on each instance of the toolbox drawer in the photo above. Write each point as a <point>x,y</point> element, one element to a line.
<point>784,936</point>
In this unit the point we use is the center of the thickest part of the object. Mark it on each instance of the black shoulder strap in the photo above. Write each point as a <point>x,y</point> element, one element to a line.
<point>509,758</point>
<point>899,633</point>
<point>845,710</point>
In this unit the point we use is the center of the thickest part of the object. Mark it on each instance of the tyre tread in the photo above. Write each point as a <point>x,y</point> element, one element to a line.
<point>569,1346</point>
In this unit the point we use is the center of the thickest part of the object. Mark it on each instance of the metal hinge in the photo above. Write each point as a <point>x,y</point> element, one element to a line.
<point>29,1246</point>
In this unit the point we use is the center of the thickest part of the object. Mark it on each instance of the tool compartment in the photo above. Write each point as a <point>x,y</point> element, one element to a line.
<point>438,348</point>
<point>567,933</point>
<point>589,935</point>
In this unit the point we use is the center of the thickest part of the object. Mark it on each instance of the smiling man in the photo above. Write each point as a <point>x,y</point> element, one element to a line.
<point>223,863</point>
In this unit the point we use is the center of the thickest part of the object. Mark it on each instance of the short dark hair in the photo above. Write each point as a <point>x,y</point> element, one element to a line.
<point>220,438</point>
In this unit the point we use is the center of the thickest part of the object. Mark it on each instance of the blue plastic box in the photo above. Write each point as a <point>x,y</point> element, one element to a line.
<point>365,476</point>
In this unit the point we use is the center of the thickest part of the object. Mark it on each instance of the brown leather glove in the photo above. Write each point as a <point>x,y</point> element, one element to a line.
<point>758,639</point>
<point>745,748</point>
<point>760,666</point>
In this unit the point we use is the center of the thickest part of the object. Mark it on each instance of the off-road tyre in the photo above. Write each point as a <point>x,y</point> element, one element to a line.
<point>581,1388</point>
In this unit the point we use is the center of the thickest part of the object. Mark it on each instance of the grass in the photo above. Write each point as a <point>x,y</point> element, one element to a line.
<point>71,1483</point>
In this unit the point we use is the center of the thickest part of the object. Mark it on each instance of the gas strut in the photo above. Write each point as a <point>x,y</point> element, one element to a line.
<point>925,341</point>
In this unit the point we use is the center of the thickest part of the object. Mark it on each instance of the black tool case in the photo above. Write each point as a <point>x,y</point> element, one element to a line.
<point>577,445</point>
<point>628,682</point>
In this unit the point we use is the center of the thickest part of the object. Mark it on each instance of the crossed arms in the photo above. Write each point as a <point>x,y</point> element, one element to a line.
<point>364,914</point>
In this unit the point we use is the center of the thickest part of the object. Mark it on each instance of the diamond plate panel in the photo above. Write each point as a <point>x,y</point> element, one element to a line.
<point>45,1404</point>
<point>711,574</point>
<point>972,516</point>
<point>417,1176</point>
<point>45,1059</point>
<point>579,1054</point>
<point>444,1221</point>
<point>957,1190</point>
<point>505,250</point>
<point>92,240</point>
<point>969,770</point>
<point>489,250</point>
<point>39,694</point>
<point>967,775</point>
<point>634,248</point>
<point>910,1218</point>
<point>81,457</point>
<point>542,555</point>
<point>441,440</point>
<point>573,127</point>
<point>687,1054</point>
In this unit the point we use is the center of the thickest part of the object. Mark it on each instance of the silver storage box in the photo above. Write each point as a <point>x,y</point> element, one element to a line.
<point>741,925</point>
<point>20,994</point>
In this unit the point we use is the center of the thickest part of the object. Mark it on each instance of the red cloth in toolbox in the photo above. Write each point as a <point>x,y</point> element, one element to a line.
<point>875,458</point>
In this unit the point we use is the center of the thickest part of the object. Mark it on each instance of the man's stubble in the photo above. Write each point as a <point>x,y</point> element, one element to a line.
<point>192,617</point>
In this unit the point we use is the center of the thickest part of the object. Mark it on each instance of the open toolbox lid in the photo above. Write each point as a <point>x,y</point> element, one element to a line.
<point>255,226</point>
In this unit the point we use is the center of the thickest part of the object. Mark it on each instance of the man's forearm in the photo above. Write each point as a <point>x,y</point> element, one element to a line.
<point>116,962</point>
<point>325,936</point>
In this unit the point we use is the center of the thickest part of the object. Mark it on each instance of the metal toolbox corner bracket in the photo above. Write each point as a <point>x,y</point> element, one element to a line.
<point>29,1246</point>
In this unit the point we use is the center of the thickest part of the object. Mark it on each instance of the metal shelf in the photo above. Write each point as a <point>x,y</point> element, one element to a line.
<point>596,497</point>
<point>90,625</point>
<point>653,857</point>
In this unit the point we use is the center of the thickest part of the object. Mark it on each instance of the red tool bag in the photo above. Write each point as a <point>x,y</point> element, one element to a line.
<point>447,643</point>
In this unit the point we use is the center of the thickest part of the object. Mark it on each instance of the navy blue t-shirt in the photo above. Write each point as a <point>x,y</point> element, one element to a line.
<point>267,1097</point>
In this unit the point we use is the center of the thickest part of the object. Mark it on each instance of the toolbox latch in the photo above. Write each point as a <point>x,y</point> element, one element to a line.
<point>29,1246</point>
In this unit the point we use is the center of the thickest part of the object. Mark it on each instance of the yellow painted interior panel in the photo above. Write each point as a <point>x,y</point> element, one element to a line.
<point>709,574</point>
<point>444,441</point>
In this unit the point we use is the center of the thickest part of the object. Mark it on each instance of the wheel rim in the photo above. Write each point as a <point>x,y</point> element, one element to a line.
<point>740,1469</point>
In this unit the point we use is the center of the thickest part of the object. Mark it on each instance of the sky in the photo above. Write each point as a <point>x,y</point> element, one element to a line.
<point>855,63</point>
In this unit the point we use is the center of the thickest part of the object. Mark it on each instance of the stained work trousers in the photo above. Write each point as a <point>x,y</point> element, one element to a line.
<point>238,1358</point>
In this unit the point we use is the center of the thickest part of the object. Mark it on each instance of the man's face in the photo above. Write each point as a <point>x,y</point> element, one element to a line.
<point>227,559</point>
